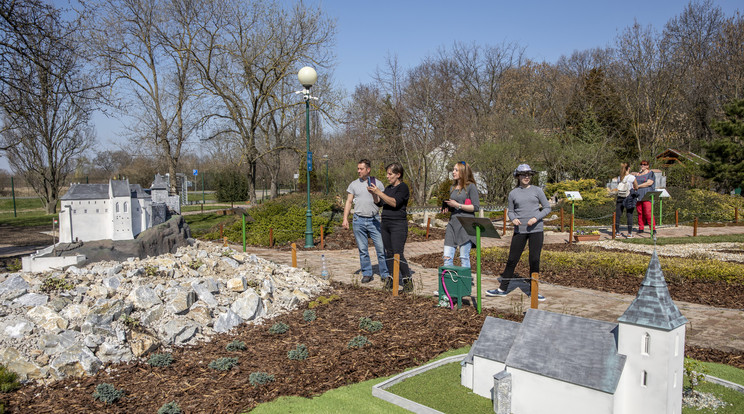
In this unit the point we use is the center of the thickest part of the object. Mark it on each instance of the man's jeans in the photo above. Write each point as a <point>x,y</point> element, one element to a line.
<point>364,228</point>
<point>449,255</point>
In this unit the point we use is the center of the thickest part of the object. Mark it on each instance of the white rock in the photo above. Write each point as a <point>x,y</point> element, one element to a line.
<point>17,328</point>
<point>144,298</point>
<point>248,305</point>
<point>227,321</point>
<point>31,299</point>
<point>237,284</point>
<point>47,319</point>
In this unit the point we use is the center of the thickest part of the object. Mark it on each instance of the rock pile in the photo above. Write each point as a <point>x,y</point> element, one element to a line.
<point>71,323</point>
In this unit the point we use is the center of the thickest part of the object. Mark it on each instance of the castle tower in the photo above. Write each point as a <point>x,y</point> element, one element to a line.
<point>121,209</point>
<point>652,336</point>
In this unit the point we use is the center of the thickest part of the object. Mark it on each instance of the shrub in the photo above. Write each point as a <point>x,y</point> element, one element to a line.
<point>160,360</point>
<point>223,364</point>
<point>369,325</point>
<point>694,372</point>
<point>235,346</point>
<point>299,353</point>
<point>260,378</point>
<point>54,284</point>
<point>309,315</point>
<point>322,300</point>
<point>129,321</point>
<point>279,328</point>
<point>704,204</point>
<point>8,380</point>
<point>170,408</point>
<point>359,341</point>
<point>14,265</point>
<point>107,393</point>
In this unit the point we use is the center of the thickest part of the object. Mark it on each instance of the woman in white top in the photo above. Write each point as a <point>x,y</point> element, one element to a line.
<point>626,198</point>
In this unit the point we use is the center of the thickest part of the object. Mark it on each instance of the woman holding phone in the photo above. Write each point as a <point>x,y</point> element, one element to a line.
<point>527,208</point>
<point>394,227</point>
<point>463,201</point>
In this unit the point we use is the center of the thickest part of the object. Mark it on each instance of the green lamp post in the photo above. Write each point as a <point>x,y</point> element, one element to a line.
<point>308,77</point>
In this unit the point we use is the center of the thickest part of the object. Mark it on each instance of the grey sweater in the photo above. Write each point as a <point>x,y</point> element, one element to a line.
<point>524,204</point>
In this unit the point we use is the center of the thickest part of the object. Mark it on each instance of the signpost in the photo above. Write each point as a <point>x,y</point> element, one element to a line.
<point>573,196</point>
<point>476,226</point>
<point>664,194</point>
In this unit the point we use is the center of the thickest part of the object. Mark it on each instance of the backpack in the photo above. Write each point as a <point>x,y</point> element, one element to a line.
<point>623,189</point>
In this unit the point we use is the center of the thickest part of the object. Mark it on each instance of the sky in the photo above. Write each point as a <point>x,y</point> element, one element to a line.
<point>370,31</point>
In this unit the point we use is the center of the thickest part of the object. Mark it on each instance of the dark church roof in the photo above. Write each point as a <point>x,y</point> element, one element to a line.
<point>653,306</point>
<point>101,191</point>
<point>568,348</point>
<point>495,339</point>
<point>160,183</point>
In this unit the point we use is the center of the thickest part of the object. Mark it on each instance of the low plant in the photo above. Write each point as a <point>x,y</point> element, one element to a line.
<point>260,378</point>
<point>369,325</point>
<point>322,300</point>
<point>196,264</point>
<point>359,341</point>
<point>169,408</point>
<point>235,345</point>
<point>223,364</point>
<point>694,372</point>
<point>107,393</point>
<point>14,265</point>
<point>227,253</point>
<point>417,230</point>
<point>129,321</point>
<point>586,232</point>
<point>151,271</point>
<point>160,360</point>
<point>309,315</point>
<point>8,379</point>
<point>279,328</point>
<point>299,353</point>
<point>55,284</point>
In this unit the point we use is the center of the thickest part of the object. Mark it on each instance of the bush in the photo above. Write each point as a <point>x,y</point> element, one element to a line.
<point>707,206</point>
<point>223,364</point>
<point>369,325</point>
<point>232,186</point>
<point>8,380</point>
<point>359,341</point>
<point>322,300</point>
<point>235,346</point>
<point>107,393</point>
<point>54,284</point>
<point>279,328</point>
<point>160,360</point>
<point>260,378</point>
<point>309,315</point>
<point>299,353</point>
<point>170,408</point>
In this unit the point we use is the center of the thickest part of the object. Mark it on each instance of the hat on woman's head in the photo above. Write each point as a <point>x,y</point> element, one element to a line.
<point>523,169</point>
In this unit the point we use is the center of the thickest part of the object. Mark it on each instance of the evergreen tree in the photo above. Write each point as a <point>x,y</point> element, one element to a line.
<point>726,152</point>
<point>232,186</point>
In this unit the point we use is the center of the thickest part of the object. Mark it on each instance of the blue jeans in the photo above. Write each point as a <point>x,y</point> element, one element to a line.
<point>369,228</point>
<point>449,255</point>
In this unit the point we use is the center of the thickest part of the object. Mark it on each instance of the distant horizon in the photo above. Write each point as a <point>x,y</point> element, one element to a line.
<point>368,33</point>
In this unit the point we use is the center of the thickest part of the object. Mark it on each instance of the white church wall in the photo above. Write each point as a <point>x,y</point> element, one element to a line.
<point>653,368</point>
<point>466,375</point>
<point>86,220</point>
<point>537,394</point>
<point>122,219</point>
<point>483,372</point>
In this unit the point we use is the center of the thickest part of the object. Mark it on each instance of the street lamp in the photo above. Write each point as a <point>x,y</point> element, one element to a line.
<point>326,162</point>
<point>308,77</point>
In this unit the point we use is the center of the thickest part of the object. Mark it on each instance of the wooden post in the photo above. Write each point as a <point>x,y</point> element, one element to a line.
<point>533,290</point>
<point>225,241</point>
<point>294,254</point>
<point>676,218</point>
<point>322,239</point>
<point>736,215</point>
<point>271,237</point>
<point>428,223</point>
<point>503,232</point>
<point>396,272</point>
<point>221,229</point>
<point>614,224</point>
<point>570,235</point>
<point>694,228</point>
<point>561,220</point>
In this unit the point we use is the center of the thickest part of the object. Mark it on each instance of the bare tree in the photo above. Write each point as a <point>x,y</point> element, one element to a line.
<point>44,104</point>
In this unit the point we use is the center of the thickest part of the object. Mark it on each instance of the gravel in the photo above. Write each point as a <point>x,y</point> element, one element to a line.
<point>715,251</point>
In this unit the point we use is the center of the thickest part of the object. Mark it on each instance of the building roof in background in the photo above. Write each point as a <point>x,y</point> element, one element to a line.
<point>671,154</point>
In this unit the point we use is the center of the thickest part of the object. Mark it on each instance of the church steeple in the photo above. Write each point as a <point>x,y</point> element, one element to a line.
<point>653,306</point>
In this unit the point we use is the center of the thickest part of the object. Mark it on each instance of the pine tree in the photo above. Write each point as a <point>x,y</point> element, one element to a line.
<point>726,152</point>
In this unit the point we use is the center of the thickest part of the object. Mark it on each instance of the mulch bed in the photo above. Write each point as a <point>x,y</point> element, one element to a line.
<point>710,293</point>
<point>343,239</point>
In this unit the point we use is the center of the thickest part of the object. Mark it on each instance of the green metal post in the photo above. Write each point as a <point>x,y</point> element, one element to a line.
<point>203,189</point>
<point>309,213</point>
<point>326,176</point>
<point>243,232</point>
<point>661,214</point>
<point>12,190</point>
<point>653,222</point>
<point>572,217</point>
<point>478,264</point>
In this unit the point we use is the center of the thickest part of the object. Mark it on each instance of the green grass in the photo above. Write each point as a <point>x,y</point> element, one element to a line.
<point>6,204</point>
<point>725,238</point>
<point>27,219</point>
<point>726,372</point>
<point>356,398</point>
<point>198,207</point>
<point>197,195</point>
<point>204,223</point>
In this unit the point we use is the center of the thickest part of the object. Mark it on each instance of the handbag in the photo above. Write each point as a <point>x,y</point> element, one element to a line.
<point>630,201</point>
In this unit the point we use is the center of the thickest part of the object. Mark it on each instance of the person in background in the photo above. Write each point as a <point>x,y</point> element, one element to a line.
<point>463,201</point>
<point>394,200</point>
<point>366,220</point>
<point>626,196</point>
<point>645,182</point>
<point>526,214</point>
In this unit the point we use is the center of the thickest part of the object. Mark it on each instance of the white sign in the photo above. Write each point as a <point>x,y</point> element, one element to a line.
<point>296,176</point>
<point>573,195</point>
<point>664,193</point>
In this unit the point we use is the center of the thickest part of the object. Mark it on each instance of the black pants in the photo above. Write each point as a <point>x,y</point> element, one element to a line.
<point>518,242</point>
<point>619,207</point>
<point>394,235</point>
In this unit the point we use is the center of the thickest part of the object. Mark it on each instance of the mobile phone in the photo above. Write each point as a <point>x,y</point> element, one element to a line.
<point>369,182</point>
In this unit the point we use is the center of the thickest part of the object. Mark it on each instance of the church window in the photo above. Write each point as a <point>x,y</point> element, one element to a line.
<point>644,378</point>
<point>97,211</point>
<point>125,207</point>
<point>74,211</point>
<point>117,207</point>
<point>676,345</point>
<point>85,211</point>
<point>646,347</point>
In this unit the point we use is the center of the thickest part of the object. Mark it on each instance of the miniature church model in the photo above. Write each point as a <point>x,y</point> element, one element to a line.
<point>556,363</point>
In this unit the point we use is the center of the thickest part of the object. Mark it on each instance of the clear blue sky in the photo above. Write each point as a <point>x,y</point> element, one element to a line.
<point>369,31</point>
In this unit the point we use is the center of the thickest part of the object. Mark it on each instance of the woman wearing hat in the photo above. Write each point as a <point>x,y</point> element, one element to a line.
<point>463,201</point>
<point>527,208</point>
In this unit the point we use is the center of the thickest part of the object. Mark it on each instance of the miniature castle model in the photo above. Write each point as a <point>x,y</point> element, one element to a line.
<point>114,211</point>
<point>556,363</point>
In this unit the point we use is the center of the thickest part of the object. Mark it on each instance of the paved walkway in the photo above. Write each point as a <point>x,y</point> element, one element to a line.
<point>709,327</point>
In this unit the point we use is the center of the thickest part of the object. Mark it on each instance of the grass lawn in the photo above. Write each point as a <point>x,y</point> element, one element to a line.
<point>203,223</point>
<point>440,389</point>
<point>726,238</point>
<point>28,219</point>
<point>26,203</point>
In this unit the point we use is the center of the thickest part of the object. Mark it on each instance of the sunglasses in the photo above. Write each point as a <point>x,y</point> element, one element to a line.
<point>461,162</point>
<point>644,165</point>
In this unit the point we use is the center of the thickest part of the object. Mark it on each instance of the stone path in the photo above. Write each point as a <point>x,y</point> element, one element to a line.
<point>709,327</point>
